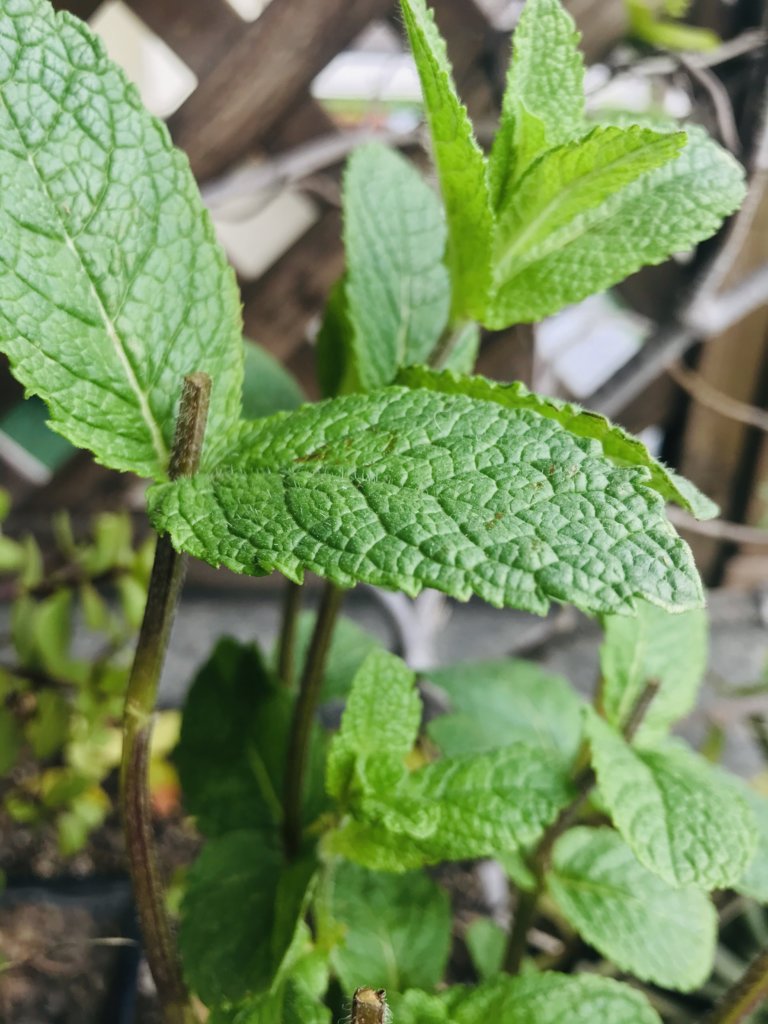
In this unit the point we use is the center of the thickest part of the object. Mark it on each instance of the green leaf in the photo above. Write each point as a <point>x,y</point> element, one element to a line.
<point>495,703</point>
<point>231,751</point>
<point>454,809</point>
<point>11,739</point>
<point>350,646</point>
<point>564,192</point>
<point>543,103</point>
<point>647,26</point>
<point>290,1004</point>
<point>617,445</point>
<point>550,998</point>
<point>660,934</point>
<point>487,943</point>
<point>382,714</point>
<point>333,345</point>
<point>267,386</point>
<point>754,881</point>
<point>652,645</point>
<point>398,289</point>
<point>417,1007</point>
<point>397,929</point>
<point>239,915</point>
<point>462,348</point>
<point>47,732</point>
<point>460,165</point>
<point>409,489</point>
<point>12,555</point>
<point>113,286</point>
<point>680,818</point>
<point>665,211</point>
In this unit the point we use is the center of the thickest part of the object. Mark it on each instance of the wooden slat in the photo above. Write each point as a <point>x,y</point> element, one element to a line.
<point>81,8</point>
<point>278,306</point>
<point>720,454</point>
<point>201,32</point>
<point>270,65</point>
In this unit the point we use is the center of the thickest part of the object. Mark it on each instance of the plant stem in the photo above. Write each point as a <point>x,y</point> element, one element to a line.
<point>541,857</point>
<point>291,608</point>
<point>162,599</point>
<point>745,996</point>
<point>303,716</point>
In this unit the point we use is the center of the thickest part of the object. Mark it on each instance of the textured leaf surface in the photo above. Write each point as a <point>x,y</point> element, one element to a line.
<point>665,211</point>
<point>550,998</point>
<point>112,286</point>
<point>617,445</point>
<point>659,934</point>
<point>754,881</point>
<point>350,646</point>
<point>398,289</point>
<point>652,645</point>
<point>407,489</point>
<point>397,929</point>
<point>267,386</point>
<point>460,165</point>
<point>681,819</point>
<point>543,103</point>
<point>240,911</point>
<point>496,703</point>
<point>383,713</point>
<point>558,198</point>
<point>453,809</point>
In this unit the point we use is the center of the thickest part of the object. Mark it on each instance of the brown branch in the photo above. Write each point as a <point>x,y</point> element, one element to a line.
<point>705,394</point>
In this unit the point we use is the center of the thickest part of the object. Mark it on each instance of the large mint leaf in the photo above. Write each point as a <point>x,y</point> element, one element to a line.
<point>460,165</point>
<point>652,645</point>
<point>112,285</point>
<point>617,445</point>
<point>660,934</point>
<point>558,198</point>
<point>665,211</point>
<point>383,713</point>
<point>453,809</point>
<point>495,703</point>
<point>543,103</point>
<point>410,489</point>
<point>240,912</point>
<point>681,819</point>
<point>549,998</point>
<point>396,929</point>
<point>233,744</point>
<point>398,289</point>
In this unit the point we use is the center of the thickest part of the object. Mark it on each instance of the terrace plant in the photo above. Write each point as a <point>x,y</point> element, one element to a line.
<point>118,308</point>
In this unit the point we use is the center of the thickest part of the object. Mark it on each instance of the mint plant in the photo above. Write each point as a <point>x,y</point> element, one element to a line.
<point>118,309</point>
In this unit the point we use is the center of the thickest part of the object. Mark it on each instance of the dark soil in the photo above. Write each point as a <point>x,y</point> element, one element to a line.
<point>68,951</point>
